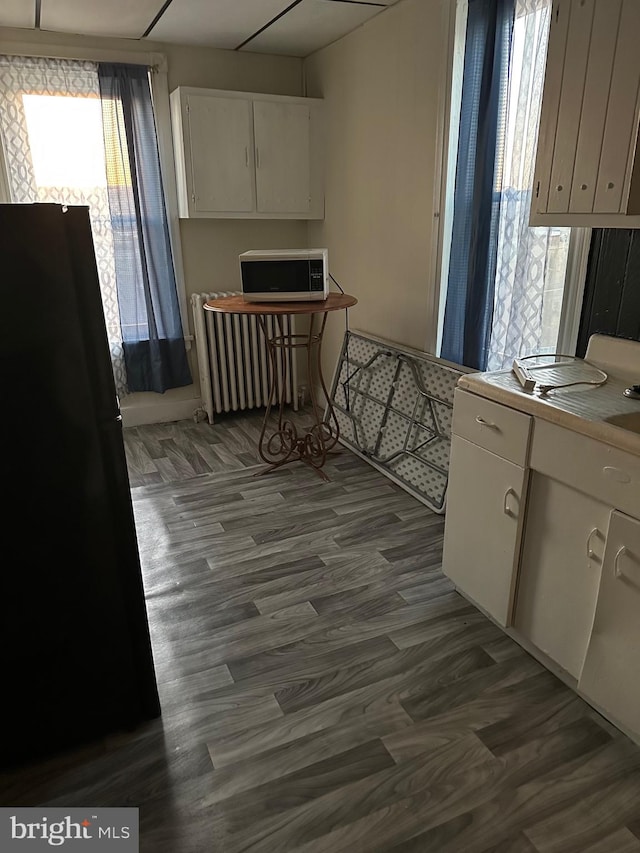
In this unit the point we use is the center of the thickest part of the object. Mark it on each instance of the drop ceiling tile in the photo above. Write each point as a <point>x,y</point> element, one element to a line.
<point>17,13</point>
<point>223,24</point>
<point>121,18</point>
<point>310,25</point>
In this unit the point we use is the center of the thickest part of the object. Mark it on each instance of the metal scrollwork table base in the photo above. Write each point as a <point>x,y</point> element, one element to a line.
<point>285,443</point>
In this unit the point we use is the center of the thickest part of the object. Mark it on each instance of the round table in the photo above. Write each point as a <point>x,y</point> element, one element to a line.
<point>284,444</point>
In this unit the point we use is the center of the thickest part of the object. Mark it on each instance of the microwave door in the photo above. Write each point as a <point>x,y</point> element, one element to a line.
<point>291,279</point>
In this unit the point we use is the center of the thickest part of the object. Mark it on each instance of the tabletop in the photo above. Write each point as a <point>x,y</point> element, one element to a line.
<point>236,304</point>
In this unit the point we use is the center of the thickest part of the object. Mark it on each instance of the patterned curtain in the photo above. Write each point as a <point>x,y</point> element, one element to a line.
<point>531,262</point>
<point>21,77</point>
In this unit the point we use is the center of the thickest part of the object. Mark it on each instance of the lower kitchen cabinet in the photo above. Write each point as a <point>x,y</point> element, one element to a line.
<point>542,534</point>
<point>610,677</point>
<point>560,566</point>
<point>483,526</point>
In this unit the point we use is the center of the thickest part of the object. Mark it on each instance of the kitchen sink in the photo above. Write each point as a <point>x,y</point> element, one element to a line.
<point>628,420</point>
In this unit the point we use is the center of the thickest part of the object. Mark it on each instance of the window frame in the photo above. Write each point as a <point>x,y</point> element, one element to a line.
<point>445,181</point>
<point>580,238</point>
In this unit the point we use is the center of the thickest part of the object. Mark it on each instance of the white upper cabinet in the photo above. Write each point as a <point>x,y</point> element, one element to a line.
<point>282,146</point>
<point>587,172</point>
<point>221,154</point>
<point>243,155</point>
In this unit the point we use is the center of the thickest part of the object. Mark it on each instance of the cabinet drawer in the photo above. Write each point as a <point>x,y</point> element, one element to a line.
<point>497,428</point>
<point>609,474</point>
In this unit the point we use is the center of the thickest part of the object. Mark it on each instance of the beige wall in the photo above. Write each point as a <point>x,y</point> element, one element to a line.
<point>210,248</point>
<point>382,86</point>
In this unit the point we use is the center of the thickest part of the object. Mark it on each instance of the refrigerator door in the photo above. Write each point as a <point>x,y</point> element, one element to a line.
<point>75,650</point>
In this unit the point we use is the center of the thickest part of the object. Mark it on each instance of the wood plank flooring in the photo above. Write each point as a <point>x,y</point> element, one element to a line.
<point>323,686</point>
<point>163,453</point>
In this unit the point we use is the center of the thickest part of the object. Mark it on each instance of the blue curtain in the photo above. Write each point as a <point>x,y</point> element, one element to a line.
<point>153,342</point>
<point>476,205</point>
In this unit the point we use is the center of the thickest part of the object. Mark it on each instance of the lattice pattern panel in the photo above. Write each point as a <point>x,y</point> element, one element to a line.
<point>394,408</point>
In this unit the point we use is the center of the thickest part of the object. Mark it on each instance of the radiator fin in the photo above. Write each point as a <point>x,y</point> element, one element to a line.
<point>233,359</point>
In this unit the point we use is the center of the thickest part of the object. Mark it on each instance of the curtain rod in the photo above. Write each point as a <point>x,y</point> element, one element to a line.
<point>156,61</point>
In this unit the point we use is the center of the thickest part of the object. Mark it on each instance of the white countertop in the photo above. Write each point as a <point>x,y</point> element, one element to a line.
<point>581,408</point>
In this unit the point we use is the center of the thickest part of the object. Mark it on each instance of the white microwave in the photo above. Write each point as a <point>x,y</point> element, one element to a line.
<point>284,275</point>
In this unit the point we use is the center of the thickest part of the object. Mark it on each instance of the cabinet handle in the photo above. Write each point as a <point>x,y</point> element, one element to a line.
<point>618,475</point>
<point>246,156</point>
<point>482,422</point>
<point>590,552</point>
<point>622,550</point>
<point>505,506</point>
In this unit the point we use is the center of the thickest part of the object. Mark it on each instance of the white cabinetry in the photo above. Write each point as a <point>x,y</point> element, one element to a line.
<point>610,677</point>
<point>576,482</point>
<point>217,165</point>
<point>282,131</point>
<point>243,155</point>
<point>485,494</point>
<point>586,170</point>
<point>560,570</point>
<point>542,533</point>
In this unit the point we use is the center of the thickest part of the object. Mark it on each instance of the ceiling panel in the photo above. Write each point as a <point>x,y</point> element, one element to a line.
<point>223,24</point>
<point>124,18</point>
<point>310,25</point>
<point>17,13</point>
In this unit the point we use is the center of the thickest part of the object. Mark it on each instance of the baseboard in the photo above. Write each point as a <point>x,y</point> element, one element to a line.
<point>148,408</point>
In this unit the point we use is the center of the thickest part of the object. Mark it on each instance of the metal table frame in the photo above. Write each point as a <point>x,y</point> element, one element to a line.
<point>285,443</point>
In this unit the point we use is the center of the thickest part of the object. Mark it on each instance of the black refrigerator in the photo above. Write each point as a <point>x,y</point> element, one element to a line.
<point>76,659</point>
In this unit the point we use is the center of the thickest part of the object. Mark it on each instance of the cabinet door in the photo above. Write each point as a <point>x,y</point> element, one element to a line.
<point>610,677</point>
<point>571,94</point>
<point>483,526</point>
<point>221,153</point>
<point>587,172</point>
<point>558,30</point>
<point>282,152</point>
<point>619,140</point>
<point>560,570</point>
<point>602,49</point>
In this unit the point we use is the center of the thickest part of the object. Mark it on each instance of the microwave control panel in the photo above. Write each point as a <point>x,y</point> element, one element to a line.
<point>316,278</point>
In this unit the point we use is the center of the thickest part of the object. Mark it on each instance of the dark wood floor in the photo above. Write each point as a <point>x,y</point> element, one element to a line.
<point>323,686</point>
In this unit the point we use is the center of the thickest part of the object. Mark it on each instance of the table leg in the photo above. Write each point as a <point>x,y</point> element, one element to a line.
<point>285,444</point>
